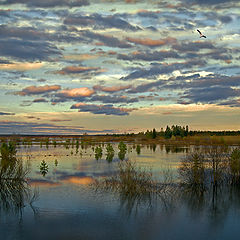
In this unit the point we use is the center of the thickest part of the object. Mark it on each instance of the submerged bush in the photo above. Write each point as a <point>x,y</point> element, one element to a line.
<point>98,152</point>
<point>138,149</point>
<point>110,152</point>
<point>122,150</point>
<point>234,164</point>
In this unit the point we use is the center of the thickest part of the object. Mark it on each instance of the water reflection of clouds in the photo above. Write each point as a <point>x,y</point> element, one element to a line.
<point>78,180</point>
<point>43,183</point>
<point>64,177</point>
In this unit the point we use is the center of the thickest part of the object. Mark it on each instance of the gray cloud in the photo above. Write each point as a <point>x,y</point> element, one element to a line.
<point>145,87</point>
<point>193,46</point>
<point>102,109</point>
<point>48,3</point>
<point>98,21</point>
<point>211,80</point>
<point>28,50</point>
<point>4,61</point>
<point>211,94</point>
<point>106,40</point>
<point>38,36</point>
<point>113,99</point>
<point>158,69</point>
<point>231,103</point>
<point>149,56</point>
<point>209,2</point>
<point>6,114</point>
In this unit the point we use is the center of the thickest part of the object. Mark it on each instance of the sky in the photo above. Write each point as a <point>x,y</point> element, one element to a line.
<point>116,66</point>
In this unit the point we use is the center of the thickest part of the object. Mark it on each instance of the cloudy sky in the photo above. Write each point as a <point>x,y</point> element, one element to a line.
<point>110,66</point>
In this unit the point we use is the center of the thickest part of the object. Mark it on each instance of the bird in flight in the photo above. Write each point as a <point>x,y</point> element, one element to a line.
<point>201,35</point>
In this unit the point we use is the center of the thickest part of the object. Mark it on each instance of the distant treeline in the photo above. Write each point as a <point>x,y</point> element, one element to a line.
<point>183,131</point>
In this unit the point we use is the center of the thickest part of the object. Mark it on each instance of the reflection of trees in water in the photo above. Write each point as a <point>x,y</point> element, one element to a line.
<point>14,190</point>
<point>175,149</point>
<point>130,204</point>
<point>215,203</point>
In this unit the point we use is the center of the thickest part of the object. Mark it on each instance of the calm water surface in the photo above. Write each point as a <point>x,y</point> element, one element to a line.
<point>66,207</point>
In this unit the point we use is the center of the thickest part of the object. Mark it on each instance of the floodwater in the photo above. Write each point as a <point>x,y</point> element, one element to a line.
<point>61,203</point>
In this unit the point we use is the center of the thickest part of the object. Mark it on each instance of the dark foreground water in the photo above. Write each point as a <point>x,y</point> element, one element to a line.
<point>60,204</point>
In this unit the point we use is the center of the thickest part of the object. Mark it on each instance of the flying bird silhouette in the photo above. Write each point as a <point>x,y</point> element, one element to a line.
<point>201,35</point>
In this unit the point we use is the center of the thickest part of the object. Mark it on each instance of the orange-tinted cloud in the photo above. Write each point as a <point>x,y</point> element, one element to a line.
<point>77,70</point>
<point>20,66</point>
<point>152,42</point>
<point>80,57</point>
<point>33,90</point>
<point>76,92</point>
<point>111,89</point>
<point>167,113</point>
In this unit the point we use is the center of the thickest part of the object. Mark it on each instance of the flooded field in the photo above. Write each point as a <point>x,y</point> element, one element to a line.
<point>60,200</point>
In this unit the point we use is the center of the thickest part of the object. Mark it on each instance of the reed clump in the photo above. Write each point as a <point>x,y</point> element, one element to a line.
<point>132,181</point>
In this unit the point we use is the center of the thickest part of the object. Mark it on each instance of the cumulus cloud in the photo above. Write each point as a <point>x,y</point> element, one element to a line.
<point>34,90</point>
<point>102,109</point>
<point>157,69</point>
